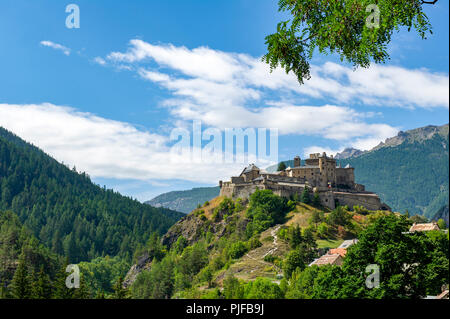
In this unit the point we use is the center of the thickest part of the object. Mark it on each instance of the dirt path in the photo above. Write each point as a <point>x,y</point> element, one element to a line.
<point>273,233</point>
<point>274,248</point>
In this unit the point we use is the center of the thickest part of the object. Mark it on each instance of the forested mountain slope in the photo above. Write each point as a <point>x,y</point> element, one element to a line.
<point>17,244</point>
<point>412,175</point>
<point>67,212</point>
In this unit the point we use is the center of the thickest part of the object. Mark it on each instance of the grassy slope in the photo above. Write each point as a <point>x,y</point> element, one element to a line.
<point>252,264</point>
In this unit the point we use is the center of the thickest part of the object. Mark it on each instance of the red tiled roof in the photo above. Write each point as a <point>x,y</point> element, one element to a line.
<point>340,251</point>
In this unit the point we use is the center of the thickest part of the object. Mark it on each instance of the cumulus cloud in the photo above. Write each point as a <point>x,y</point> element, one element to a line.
<point>99,60</point>
<point>319,149</point>
<point>195,72</point>
<point>107,148</point>
<point>236,90</point>
<point>56,46</point>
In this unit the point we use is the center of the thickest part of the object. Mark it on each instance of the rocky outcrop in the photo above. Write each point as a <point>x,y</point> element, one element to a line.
<point>442,214</point>
<point>144,263</point>
<point>189,227</point>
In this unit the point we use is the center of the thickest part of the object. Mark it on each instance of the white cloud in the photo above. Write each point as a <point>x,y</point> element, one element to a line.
<point>99,60</point>
<point>194,73</point>
<point>56,46</point>
<point>106,148</point>
<point>236,90</point>
<point>319,149</point>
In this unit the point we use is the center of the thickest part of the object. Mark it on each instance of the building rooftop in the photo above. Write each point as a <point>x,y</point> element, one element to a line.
<point>340,251</point>
<point>424,227</point>
<point>328,259</point>
<point>251,167</point>
<point>348,243</point>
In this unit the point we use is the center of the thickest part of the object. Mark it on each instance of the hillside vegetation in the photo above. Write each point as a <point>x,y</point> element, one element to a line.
<point>411,176</point>
<point>262,249</point>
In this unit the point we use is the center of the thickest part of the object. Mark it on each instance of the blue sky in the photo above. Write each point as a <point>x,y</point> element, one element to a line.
<point>105,97</point>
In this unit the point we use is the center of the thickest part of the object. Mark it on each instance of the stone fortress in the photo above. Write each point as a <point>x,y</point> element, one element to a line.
<point>335,185</point>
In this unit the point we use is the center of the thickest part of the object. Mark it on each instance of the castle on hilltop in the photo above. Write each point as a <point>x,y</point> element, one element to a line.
<point>335,185</point>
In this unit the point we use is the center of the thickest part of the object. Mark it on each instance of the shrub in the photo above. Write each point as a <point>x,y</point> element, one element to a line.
<point>339,217</point>
<point>323,230</point>
<point>237,250</point>
<point>254,243</point>
<point>316,200</point>
<point>305,198</point>
<point>265,210</point>
<point>262,288</point>
<point>441,223</point>
<point>270,258</point>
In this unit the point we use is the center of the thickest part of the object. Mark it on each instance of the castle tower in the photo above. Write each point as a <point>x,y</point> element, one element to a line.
<point>297,161</point>
<point>323,165</point>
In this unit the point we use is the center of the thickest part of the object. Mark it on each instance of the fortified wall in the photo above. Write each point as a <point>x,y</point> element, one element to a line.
<point>335,185</point>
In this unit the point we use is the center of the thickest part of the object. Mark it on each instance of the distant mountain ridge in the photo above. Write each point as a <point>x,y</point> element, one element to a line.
<point>185,201</point>
<point>420,134</point>
<point>349,152</point>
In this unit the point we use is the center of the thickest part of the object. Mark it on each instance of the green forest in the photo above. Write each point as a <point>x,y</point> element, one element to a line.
<point>410,176</point>
<point>52,215</point>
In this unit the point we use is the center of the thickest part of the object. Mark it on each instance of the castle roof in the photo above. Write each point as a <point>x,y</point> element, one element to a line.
<point>251,167</point>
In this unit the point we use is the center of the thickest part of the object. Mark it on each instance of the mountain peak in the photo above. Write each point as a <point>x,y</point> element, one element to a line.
<point>349,152</point>
<point>415,135</point>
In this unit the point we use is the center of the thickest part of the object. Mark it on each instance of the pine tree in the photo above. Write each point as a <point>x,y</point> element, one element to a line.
<point>21,286</point>
<point>281,167</point>
<point>305,196</point>
<point>3,290</point>
<point>60,290</point>
<point>42,288</point>
<point>119,291</point>
<point>83,292</point>
<point>100,294</point>
<point>316,200</point>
